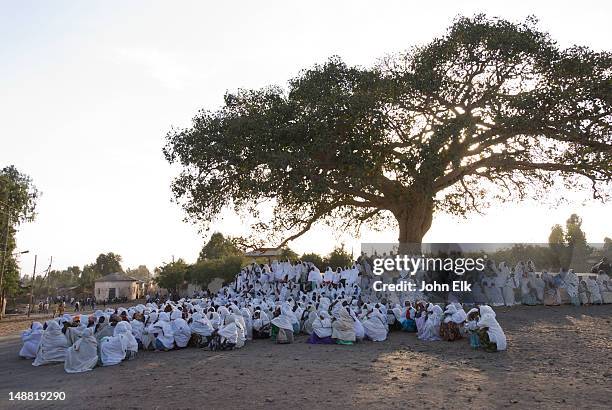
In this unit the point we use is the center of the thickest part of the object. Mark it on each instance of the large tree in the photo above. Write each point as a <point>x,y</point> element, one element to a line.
<point>18,197</point>
<point>491,110</point>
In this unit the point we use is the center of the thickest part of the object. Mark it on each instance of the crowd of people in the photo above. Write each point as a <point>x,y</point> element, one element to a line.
<point>284,299</point>
<point>502,285</point>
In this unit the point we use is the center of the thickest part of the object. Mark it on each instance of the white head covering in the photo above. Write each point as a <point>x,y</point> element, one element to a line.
<point>125,329</point>
<point>494,330</point>
<point>82,356</point>
<point>53,345</point>
<point>31,340</point>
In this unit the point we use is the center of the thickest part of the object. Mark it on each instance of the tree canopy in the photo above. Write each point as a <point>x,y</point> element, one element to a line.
<point>491,110</point>
<point>141,273</point>
<point>18,197</point>
<point>171,276</point>
<point>217,247</point>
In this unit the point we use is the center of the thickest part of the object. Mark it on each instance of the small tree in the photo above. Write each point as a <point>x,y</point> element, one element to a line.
<point>558,249</point>
<point>577,246</point>
<point>217,247</point>
<point>338,258</point>
<point>172,275</point>
<point>288,253</point>
<point>141,272</point>
<point>206,271</point>
<point>314,258</point>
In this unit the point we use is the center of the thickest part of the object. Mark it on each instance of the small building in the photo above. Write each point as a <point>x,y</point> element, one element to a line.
<point>116,285</point>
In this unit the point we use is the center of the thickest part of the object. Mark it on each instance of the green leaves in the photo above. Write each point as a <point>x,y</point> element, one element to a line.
<point>492,110</point>
<point>18,197</point>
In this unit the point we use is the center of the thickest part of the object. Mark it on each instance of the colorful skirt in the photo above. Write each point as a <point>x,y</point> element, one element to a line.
<point>316,340</point>
<point>450,331</point>
<point>409,325</point>
<point>474,340</point>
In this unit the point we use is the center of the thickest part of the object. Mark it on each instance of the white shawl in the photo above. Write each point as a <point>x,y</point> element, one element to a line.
<point>53,345</point>
<point>82,356</point>
<point>31,340</point>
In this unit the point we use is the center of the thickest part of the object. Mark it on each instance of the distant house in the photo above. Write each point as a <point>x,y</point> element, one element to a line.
<point>116,285</point>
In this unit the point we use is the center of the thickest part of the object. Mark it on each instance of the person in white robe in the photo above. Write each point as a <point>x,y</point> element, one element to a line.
<point>124,329</point>
<point>82,356</point>
<point>227,335</point>
<point>138,327</point>
<point>594,291</point>
<point>583,292</point>
<point>311,317</point>
<point>569,287</point>
<point>552,297</point>
<point>343,329</point>
<point>431,328</point>
<point>375,327</point>
<point>113,350</point>
<point>284,323</point>
<point>53,345</point>
<point>162,330</point>
<point>248,322</point>
<point>488,323</point>
<point>540,287</point>
<point>510,283</point>
<point>200,325</point>
<point>181,330</point>
<point>359,329</point>
<point>31,340</point>
<point>261,325</point>
<point>491,284</point>
<point>214,318</point>
<point>322,325</point>
<point>148,338</point>
<point>328,276</point>
<point>314,277</point>
<point>605,287</point>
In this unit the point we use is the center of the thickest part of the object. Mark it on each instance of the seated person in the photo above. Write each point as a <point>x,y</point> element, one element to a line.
<point>491,335</point>
<point>82,356</point>
<point>31,340</point>
<point>53,345</point>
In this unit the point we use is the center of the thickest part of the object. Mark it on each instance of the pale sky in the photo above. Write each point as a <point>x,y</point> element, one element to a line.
<point>88,90</point>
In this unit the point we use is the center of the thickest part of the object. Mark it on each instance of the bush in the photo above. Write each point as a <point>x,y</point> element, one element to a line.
<point>339,258</point>
<point>204,272</point>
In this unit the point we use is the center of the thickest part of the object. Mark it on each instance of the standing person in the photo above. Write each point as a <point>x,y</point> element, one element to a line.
<point>60,309</point>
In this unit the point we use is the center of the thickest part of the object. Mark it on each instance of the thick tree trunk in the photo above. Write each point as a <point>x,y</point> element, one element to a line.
<point>414,219</point>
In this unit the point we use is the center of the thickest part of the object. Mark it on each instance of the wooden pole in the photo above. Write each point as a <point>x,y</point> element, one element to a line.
<point>32,286</point>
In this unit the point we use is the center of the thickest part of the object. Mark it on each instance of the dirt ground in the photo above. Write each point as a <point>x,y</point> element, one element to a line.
<point>558,357</point>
